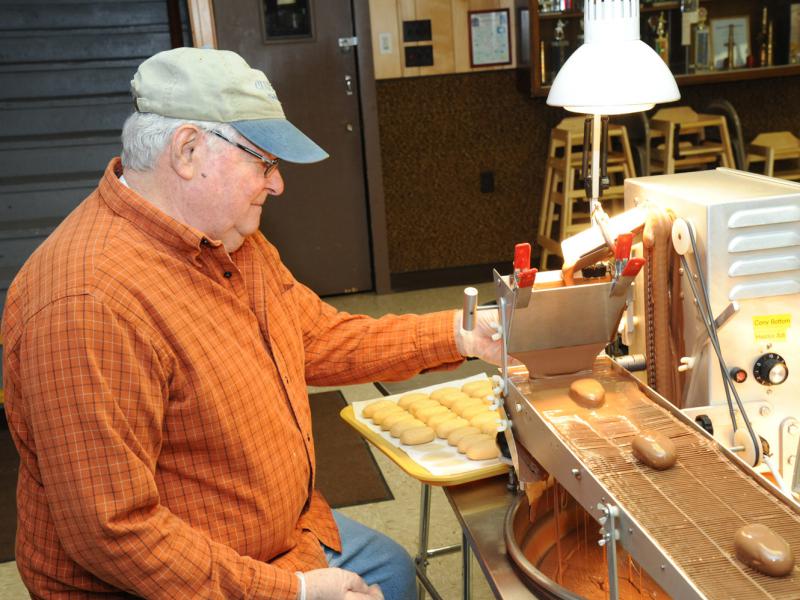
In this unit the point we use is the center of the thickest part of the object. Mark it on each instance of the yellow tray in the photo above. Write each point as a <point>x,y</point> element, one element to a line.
<point>405,462</point>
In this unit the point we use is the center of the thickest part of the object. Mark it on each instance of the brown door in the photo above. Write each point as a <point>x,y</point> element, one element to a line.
<point>320,224</point>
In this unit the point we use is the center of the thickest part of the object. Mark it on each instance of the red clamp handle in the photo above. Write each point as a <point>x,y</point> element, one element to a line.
<point>526,278</point>
<point>633,267</point>
<point>522,257</point>
<point>622,247</point>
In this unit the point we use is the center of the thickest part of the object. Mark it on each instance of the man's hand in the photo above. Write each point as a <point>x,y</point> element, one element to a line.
<point>338,584</point>
<point>479,342</point>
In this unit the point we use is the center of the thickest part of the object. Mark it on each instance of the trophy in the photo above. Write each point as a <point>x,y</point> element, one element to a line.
<point>769,45</point>
<point>731,48</point>
<point>662,39</point>
<point>559,49</point>
<point>763,39</point>
<point>701,40</point>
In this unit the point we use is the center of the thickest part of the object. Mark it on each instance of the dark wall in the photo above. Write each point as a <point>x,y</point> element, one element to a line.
<point>65,71</point>
<point>439,133</point>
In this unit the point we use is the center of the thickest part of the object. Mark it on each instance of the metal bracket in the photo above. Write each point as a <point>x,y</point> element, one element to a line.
<point>788,445</point>
<point>609,536</point>
<point>726,314</point>
<point>345,43</point>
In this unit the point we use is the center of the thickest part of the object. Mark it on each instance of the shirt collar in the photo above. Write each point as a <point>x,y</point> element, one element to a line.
<point>144,215</point>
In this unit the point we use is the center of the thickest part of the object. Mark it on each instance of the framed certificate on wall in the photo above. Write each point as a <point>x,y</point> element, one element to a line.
<point>489,37</point>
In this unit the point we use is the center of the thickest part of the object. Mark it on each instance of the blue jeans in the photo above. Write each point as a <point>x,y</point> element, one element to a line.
<point>377,558</point>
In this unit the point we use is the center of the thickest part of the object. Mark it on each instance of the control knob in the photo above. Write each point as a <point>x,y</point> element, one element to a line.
<point>770,369</point>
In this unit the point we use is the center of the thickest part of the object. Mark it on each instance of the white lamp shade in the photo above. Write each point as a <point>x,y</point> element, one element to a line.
<point>612,78</point>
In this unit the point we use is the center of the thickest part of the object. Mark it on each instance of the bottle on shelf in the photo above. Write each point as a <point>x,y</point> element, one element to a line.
<point>701,43</point>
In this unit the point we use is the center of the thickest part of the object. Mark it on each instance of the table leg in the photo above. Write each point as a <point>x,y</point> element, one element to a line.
<point>424,526</point>
<point>466,562</point>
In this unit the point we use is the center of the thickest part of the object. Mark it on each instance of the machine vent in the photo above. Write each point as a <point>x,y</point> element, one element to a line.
<point>753,255</point>
<point>747,242</point>
<point>763,289</point>
<point>764,216</point>
<point>759,266</point>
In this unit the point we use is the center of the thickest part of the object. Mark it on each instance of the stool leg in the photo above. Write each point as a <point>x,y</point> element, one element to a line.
<point>550,218</point>
<point>466,563</point>
<point>626,148</point>
<point>545,219</point>
<point>726,144</point>
<point>547,202</point>
<point>566,208</point>
<point>421,559</point>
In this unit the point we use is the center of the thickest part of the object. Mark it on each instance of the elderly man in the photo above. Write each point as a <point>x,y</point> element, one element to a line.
<point>157,354</point>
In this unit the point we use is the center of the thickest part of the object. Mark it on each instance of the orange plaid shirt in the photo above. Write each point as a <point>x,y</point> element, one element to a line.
<point>156,391</point>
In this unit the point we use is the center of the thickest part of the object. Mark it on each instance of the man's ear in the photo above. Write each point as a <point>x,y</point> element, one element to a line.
<point>184,159</point>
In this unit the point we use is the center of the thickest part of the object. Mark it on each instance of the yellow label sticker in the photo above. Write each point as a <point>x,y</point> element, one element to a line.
<point>771,328</point>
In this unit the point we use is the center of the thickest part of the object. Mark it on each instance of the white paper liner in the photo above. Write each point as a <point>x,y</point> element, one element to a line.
<point>438,457</point>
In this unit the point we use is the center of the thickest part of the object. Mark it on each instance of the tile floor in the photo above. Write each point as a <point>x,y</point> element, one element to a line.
<point>397,518</point>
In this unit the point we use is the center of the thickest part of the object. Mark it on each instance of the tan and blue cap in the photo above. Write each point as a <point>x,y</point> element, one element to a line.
<point>218,85</point>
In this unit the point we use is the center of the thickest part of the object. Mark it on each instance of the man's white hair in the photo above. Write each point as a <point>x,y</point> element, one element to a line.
<point>145,135</point>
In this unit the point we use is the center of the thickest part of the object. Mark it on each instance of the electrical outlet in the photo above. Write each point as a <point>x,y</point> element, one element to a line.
<point>385,42</point>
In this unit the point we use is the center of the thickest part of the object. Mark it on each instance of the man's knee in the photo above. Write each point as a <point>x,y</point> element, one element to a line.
<point>377,558</point>
<point>397,574</point>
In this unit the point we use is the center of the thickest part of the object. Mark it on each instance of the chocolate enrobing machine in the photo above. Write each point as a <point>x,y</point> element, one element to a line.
<point>676,525</point>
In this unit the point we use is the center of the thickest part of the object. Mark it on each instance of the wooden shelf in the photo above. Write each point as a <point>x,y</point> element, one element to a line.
<point>721,76</point>
<point>573,14</point>
<point>751,7</point>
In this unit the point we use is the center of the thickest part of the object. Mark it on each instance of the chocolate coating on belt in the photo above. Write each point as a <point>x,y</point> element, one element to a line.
<point>654,449</point>
<point>587,392</point>
<point>764,550</point>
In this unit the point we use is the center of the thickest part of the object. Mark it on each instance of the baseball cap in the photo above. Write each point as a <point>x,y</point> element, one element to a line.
<point>218,85</point>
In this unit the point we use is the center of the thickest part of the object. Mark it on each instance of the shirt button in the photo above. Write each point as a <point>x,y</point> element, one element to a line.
<point>227,274</point>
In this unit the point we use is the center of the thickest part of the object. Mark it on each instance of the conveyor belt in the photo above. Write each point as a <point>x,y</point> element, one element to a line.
<point>693,509</point>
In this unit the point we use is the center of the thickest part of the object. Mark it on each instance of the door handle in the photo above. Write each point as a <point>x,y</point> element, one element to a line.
<point>348,85</point>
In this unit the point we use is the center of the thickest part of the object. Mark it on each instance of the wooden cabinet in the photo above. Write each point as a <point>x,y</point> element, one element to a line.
<point>549,17</point>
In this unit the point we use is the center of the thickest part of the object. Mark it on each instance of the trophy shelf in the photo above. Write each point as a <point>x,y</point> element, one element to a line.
<point>554,35</point>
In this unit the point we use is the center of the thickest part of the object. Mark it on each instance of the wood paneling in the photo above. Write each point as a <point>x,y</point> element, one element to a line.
<point>384,21</point>
<point>449,33</point>
<point>441,16</point>
<point>201,18</point>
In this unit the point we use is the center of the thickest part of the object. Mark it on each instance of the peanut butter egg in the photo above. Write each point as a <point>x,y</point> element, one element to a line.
<point>654,449</point>
<point>587,392</point>
<point>409,399</point>
<point>764,550</point>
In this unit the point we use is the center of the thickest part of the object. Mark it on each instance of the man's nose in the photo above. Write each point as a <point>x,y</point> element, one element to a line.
<point>274,183</point>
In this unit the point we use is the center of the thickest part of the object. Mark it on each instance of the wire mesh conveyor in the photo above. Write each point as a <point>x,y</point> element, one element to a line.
<point>691,510</point>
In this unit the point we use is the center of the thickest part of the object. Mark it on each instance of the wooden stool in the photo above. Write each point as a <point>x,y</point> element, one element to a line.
<point>683,145</point>
<point>563,187</point>
<point>776,146</point>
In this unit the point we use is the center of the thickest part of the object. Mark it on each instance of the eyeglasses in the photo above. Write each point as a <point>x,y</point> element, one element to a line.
<point>269,164</point>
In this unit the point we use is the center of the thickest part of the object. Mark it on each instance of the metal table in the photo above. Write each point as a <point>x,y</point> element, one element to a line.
<point>481,507</point>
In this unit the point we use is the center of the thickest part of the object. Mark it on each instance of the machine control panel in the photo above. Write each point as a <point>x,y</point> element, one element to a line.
<point>770,369</point>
